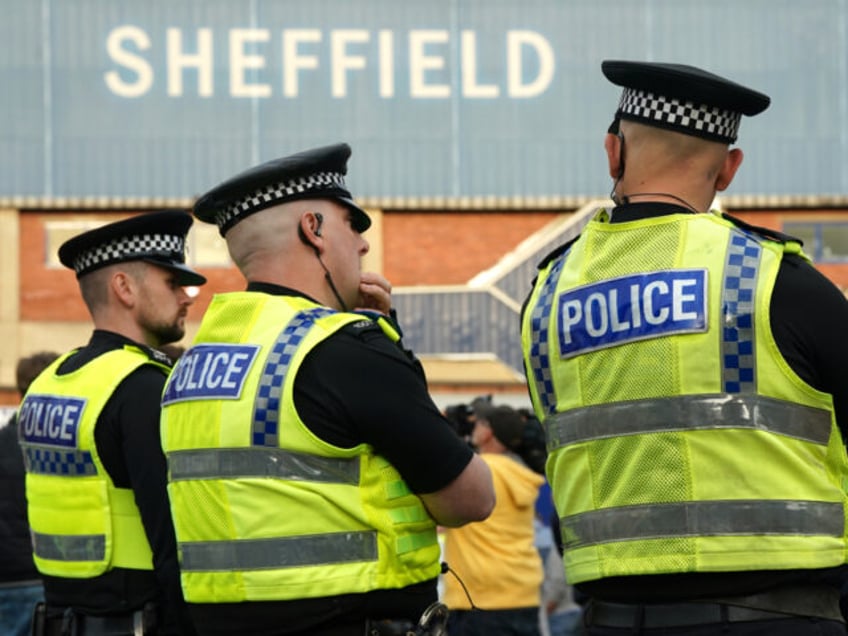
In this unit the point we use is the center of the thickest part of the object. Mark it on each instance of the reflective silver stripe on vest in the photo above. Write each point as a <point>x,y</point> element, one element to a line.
<point>268,554</point>
<point>261,462</point>
<point>703,519</point>
<point>69,547</point>
<point>688,413</point>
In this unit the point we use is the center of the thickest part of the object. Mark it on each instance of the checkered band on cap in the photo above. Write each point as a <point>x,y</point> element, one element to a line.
<point>278,192</point>
<point>126,248</point>
<point>698,119</point>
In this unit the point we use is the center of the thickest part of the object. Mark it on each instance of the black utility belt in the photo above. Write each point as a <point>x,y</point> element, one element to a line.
<point>814,601</point>
<point>17,584</point>
<point>50,621</point>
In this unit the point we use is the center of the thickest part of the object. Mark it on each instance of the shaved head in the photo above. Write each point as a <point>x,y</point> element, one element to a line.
<point>264,235</point>
<point>657,151</point>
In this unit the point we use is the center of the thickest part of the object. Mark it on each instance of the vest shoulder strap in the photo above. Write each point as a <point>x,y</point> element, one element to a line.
<point>768,233</point>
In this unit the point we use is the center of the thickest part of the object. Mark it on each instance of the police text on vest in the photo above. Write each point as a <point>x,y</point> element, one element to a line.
<point>635,307</point>
<point>50,420</point>
<point>210,372</point>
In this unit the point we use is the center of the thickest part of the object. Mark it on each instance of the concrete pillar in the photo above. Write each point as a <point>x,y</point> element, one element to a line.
<point>373,261</point>
<point>10,294</point>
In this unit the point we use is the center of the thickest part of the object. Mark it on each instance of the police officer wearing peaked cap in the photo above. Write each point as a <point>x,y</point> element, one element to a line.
<point>157,238</point>
<point>326,426</point>
<point>319,172</point>
<point>103,537</point>
<point>688,359</point>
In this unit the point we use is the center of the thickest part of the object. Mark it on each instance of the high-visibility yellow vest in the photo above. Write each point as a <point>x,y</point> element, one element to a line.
<point>82,524</point>
<point>264,509</point>
<point>680,439</point>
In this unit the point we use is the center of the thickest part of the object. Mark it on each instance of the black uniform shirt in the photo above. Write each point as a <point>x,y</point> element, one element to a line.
<point>357,386</point>
<point>808,317</point>
<point>127,438</point>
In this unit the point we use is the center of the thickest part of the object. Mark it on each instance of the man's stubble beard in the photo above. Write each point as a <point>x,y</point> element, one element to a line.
<point>167,332</point>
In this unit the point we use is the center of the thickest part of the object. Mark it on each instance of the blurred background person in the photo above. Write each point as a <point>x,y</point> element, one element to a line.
<point>496,572</point>
<point>561,610</point>
<point>461,419</point>
<point>20,582</point>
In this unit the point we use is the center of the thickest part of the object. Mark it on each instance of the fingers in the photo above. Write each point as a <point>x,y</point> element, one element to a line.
<point>375,293</point>
<point>373,278</point>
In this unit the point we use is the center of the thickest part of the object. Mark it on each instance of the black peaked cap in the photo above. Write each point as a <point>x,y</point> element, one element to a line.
<point>683,98</point>
<point>317,173</point>
<point>155,237</point>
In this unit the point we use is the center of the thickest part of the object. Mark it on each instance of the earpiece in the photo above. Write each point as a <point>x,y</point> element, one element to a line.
<point>621,156</point>
<point>302,235</point>
<point>319,218</point>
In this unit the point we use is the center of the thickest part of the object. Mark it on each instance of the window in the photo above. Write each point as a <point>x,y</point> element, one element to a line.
<point>57,232</point>
<point>824,242</point>
<point>204,246</point>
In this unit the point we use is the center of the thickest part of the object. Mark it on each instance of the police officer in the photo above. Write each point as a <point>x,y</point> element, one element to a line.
<point>307,500</point>
<point>688,370</point>
<point>89,427</point>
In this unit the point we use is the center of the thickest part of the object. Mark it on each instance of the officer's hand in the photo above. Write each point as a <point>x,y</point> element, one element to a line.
<point>375,293</point>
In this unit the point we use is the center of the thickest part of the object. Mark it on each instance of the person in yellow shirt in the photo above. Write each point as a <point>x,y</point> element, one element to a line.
<point>497,570</point>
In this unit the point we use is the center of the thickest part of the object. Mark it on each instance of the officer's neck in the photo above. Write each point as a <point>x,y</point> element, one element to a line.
<point>646,210</point>
<point>660,197</point>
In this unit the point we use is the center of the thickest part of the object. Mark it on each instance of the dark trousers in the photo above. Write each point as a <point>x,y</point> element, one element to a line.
<point>509,622</point>
<point>810,610</point>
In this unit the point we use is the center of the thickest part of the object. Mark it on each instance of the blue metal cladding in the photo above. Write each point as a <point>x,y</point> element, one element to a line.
<point>461,99</point>
<point>460,321</point>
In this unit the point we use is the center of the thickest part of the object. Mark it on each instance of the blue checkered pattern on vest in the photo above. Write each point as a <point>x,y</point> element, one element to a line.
<point>737,307</point>
<point>540,365</point>
<point>68,463</point>
<point>266,409</point>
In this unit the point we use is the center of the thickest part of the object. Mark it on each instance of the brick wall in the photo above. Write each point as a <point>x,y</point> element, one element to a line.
<point>450,247</point>
<point>418,248</point>
<point>52,293</point>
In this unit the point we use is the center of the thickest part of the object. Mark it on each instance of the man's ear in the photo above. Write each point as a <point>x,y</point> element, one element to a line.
<point>728,169</point>
<point>612,144</point>
<point>309,230</point>
<point>123,286</point>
